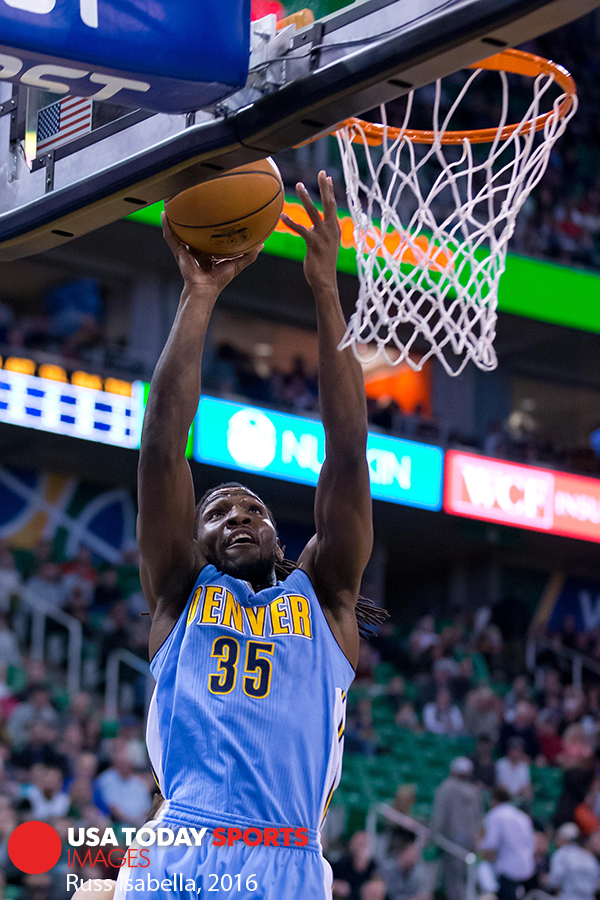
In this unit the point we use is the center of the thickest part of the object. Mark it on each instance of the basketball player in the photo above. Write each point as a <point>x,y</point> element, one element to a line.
<point>252,658</point>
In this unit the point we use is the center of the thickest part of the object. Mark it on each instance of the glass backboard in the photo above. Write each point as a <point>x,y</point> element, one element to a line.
<point>304,78</point>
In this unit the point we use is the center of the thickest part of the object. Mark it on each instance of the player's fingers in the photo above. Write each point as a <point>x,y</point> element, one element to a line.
<point>295,226</point>
<point>327,195</point>
<point>169,235</point>
<point>186,260</point>
<point>308,205</point>
<point>248,258</point>
<point>204,260</point>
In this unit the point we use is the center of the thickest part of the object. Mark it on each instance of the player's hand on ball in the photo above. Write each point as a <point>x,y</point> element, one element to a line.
<point>323,238</point>
<point>199,270</point>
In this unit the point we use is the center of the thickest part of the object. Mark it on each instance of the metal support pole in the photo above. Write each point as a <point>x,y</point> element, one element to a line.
<point>38,634</point>
<point>113,664</point>
<point>41,611</point>
<point>471,889</point>
<point>577,672</point>
<point>531,654</point>
<point>74,657</point>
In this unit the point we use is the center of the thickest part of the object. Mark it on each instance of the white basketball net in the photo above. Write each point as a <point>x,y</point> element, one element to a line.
<point>439,272</point>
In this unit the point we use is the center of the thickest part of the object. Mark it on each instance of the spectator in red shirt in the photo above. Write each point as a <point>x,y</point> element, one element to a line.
<point>550,740</point>
<point>585,816</point>
<point>79,572</point>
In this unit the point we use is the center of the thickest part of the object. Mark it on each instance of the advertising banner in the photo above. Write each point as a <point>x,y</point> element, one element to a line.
<point>78,407</point>
<point>37,506</point>
<point>523,496</point>
<point>292,448</point>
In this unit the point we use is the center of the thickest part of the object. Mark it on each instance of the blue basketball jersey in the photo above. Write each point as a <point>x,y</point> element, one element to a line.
<point>247,719</point>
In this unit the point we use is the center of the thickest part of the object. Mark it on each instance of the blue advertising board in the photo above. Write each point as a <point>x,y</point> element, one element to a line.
<point>166,55</point>
<point>292,448</point>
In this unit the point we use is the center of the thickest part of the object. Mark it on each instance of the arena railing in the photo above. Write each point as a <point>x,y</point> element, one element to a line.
<point>41,611</point>
<point>425,835</point>
<point>579,661</point>
<point>115,660</point>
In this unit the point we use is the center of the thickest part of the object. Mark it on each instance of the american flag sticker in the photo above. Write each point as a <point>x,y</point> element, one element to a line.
<point>62,122</point>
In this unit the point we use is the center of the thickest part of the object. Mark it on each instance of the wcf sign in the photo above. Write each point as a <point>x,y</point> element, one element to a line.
<point>523,496</point>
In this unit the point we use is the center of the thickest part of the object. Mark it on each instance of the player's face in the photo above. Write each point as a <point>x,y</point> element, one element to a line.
<point>236,533</point>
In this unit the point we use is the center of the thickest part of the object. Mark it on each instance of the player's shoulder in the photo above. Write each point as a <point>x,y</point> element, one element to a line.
<point>299,577</point>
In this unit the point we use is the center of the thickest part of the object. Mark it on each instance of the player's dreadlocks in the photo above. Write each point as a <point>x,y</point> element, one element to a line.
<point>368,616</point>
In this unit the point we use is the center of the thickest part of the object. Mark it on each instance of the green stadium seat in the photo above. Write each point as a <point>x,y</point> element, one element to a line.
<point>16,679</point>
<point>422,811</point>
<point>384,672</point>
<point>544,811</point>
<point>11,892</point>
<point>422,760</point>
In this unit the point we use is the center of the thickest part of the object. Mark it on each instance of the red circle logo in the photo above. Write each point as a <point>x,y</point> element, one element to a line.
<point>34,847</point>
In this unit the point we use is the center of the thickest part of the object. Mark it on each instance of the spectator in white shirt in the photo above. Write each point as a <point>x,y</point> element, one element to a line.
<point>423,638</point>
<point>49,585</point>
<point>123,792</point>
<point>574,871</point>
<point>11,581</point>
<point>9,645</point>
<point>37,706</point>
<point>442,716</point>
<point>46,795</point>
<point>508,842</point>
<point>513,772</point>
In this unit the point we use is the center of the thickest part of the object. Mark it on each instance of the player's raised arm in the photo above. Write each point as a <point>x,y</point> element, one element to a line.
<point>335,559</point>
<point>171,557</point>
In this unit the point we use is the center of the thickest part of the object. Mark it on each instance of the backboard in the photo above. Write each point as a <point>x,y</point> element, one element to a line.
<point>165,55</point>
<point>302,82</point>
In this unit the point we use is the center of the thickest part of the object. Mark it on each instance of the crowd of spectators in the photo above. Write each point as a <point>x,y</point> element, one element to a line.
<point>233,371</point>
<point>516,855</point>
<point>468,678</point>
<point>63,762</point>
<point>68,330</point>
<point>562,220</point>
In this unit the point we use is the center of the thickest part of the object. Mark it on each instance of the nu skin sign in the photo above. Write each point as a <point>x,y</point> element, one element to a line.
<point>292,448</point>
<point>166,55</point>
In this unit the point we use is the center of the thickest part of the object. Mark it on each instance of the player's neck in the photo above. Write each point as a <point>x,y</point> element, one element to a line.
<point>257,577</point>
<point>256,587</point>
<point>264,580</point>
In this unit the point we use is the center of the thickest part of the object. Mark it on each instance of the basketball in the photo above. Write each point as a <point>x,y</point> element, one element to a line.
<point>230,214</point>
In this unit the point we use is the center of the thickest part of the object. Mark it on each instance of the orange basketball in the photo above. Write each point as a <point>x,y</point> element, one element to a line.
<point>229,214</point>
